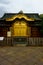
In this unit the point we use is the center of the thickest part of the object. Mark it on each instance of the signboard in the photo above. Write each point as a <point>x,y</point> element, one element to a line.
<point>9,34</point>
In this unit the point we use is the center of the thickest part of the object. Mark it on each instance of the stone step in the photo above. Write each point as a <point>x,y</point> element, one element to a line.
<point>20,45</point>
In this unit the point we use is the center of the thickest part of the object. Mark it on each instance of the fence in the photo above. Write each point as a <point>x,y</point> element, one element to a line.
<point>35,41</point>
<point>32,41</point>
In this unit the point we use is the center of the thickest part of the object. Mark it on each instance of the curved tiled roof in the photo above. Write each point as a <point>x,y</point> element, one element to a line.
<point>30,15</point>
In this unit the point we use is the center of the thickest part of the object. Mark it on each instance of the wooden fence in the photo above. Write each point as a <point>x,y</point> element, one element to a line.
<point>35,41</point>
<point>32,41</point>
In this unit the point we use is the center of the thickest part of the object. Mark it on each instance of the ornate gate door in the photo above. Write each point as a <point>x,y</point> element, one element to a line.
<point>19,29</point>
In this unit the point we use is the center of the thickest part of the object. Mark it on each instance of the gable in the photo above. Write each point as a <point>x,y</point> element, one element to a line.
<point>20,16</point>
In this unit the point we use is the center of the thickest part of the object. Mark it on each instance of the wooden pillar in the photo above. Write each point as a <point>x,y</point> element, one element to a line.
<point>29,31</point>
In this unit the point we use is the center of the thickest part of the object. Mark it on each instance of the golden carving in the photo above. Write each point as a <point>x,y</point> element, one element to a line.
<point>20,29</point>
<point>20,16</point>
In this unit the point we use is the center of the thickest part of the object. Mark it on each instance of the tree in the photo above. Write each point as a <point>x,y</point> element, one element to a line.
<point>41,16</point>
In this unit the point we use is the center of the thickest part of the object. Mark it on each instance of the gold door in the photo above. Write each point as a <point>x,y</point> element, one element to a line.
<point>19,29</point>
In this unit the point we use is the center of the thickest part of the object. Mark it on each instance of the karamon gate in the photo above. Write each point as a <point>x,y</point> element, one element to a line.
<point>20,30</point>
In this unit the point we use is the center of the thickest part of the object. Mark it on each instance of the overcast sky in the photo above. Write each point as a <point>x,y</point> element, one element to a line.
<point>27,6</point>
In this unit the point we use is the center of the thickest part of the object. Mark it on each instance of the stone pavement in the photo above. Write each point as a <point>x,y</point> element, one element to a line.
<point>21,55</point>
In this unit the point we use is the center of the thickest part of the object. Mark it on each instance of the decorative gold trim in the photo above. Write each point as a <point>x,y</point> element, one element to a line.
<point>20,16</point>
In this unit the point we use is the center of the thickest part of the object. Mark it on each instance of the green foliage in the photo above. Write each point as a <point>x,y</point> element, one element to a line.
<point>41,16</point>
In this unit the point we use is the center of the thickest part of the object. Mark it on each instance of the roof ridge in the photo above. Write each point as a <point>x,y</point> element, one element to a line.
<point>18,13</point>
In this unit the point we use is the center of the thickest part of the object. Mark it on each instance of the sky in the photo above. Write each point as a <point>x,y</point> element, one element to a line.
<point>27,6</point>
